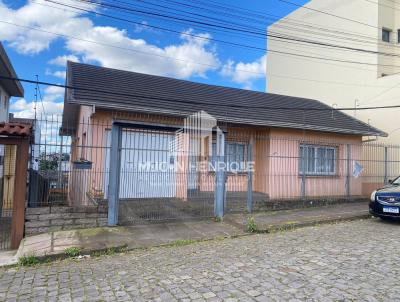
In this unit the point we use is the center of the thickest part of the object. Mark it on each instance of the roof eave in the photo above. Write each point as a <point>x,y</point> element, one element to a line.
<point>14,88</point>
<point>273,124</point>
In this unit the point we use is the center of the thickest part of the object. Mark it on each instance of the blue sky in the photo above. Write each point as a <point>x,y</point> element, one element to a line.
<point>134,47</point>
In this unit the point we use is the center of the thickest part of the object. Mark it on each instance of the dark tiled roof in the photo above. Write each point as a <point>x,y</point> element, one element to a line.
<point>14,88</point>
<point>15,129</point>
<point>138,92</point>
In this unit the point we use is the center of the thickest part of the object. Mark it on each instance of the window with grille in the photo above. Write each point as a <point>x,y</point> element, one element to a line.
<point>236,156</point>
<point>317,160</point>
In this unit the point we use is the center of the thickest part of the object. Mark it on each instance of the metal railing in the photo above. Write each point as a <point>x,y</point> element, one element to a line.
<point>7,179</point>
<point>160,178</point>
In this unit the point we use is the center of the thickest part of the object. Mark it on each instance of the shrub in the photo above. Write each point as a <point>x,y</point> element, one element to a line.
<point>251,225</point>
<point>28,260</point>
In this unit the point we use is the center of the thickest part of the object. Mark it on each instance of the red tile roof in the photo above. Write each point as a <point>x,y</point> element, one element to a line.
<point>15,129</point>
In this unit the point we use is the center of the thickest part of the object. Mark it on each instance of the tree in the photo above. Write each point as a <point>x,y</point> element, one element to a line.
<point>48,163</point>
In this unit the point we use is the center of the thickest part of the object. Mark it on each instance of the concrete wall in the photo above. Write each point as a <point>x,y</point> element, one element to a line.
<point>50,219</point>
<point>338,83</point>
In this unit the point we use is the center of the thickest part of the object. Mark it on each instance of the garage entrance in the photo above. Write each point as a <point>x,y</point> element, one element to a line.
<point>155,181</point>
<point>147,164</point>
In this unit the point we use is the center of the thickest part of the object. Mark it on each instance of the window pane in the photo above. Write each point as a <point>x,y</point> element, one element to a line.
<point>240,153</point>
<point>231,152</point>
<point>330,160</point>
<point>236,155</point>
<point>311,160</point>
<point>320,160</point>
<point>385,35</point>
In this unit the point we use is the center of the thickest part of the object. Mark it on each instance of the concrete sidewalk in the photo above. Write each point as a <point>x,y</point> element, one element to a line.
<point>281,220</point>
<point>156,234</point>
<point>129,237</point>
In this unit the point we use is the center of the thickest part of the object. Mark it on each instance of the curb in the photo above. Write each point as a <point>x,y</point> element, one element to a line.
<point>297,225</point>
<point>242,233</point>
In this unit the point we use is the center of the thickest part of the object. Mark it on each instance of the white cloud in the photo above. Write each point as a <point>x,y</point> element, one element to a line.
<point>178,60</point>
<point>245,73</point>
<point>44,17</point>
<point>62,60</point>
<point>58,73</point>
<point>52,93</point>
<point>24,109</point>
<point>52,104</point>
<point>144,27</point>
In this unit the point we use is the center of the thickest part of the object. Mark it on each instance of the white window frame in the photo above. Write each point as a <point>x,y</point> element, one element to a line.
<point>315,171</point>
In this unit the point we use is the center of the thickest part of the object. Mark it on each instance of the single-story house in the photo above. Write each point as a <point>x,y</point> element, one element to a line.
<point>299,147</point>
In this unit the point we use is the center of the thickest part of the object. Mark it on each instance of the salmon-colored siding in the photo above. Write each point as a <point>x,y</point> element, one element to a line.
<point>285,180</point>
<point>275,155</point>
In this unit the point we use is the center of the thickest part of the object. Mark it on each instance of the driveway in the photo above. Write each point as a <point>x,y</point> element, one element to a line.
<point>347,261</point>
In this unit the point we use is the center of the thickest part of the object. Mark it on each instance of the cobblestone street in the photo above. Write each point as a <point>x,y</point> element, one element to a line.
<point>347,261</point>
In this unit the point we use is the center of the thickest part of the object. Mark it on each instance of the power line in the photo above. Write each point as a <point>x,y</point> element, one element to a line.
<point>217,40</point>
<point>328,14</point>
<point>256,48</point>
<point>322,31</point>
<point>324,35</point>
<point>194,62</point>
<point>284,53</point>
<point>184,33</point>
<point>215,66</point>
<point>231,43</point>
<point>276,75</point>
<point>256,14</point>
<point>195,102</point>
<point>241,30</point>
<point>261,49</point>
<point>170,30</point>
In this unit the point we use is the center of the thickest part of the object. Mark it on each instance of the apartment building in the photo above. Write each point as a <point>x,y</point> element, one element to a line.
<point>343,52</point>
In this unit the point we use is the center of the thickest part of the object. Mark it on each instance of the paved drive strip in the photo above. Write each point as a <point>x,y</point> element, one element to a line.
<point>347,261</point>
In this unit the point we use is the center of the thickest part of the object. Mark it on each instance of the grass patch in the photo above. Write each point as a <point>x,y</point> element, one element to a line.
<point>183,242</point>
<point>251,225</point>
<point>72,251</point>
<point>28,260</point>
<point>109,251</point>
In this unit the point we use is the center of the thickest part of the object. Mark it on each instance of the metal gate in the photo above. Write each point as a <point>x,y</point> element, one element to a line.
<point>7,179</point>
<point>155,178</point>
